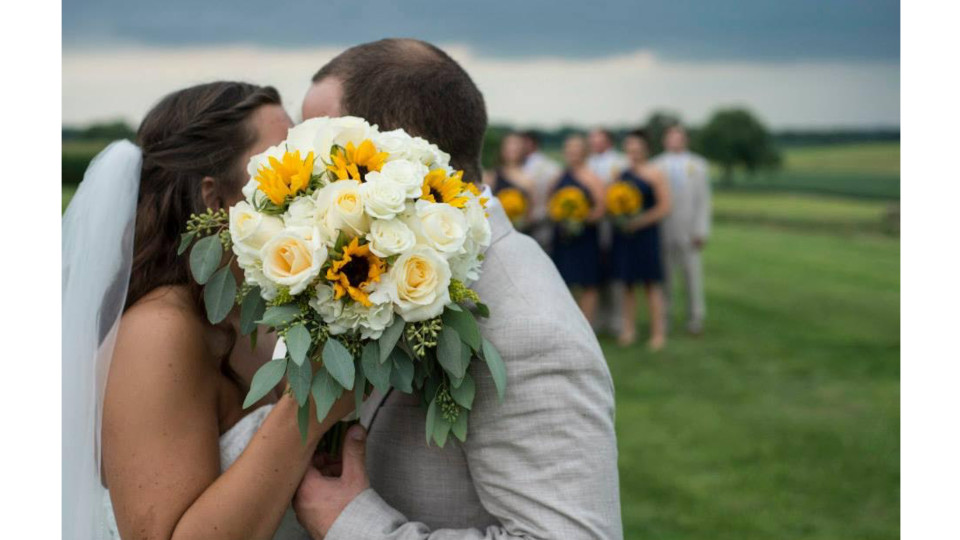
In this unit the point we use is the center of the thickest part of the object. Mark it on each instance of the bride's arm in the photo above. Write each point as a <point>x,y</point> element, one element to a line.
<point>161,439</point>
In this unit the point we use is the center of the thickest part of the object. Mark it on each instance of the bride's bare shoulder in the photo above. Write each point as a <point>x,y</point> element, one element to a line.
<point>162,330</point>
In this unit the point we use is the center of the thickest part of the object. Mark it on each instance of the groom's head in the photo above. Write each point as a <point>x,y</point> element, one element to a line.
<point>409,84</point>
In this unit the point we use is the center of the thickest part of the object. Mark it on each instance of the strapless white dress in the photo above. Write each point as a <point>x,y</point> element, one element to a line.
<point>232,444</point>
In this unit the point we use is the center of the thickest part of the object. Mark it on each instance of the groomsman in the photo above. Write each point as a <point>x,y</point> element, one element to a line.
<point>686,228</point>
<point>606,162</point>
<point>544,171</point>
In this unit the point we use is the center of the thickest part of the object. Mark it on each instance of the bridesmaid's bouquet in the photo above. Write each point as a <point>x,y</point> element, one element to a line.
<point>569,208</point>
<point>514,204</point>
<point>624,202</point>
<point>357,247</point>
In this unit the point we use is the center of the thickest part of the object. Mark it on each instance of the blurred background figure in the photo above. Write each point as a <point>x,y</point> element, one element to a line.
<point>606,162</point>
<point>635,256</point>
<point>576,253</point>
<point>510,183</point>
<point>686,228</point>
<point>543,171</point>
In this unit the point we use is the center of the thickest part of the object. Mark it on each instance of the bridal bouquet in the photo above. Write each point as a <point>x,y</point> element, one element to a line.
<point>624,201</point>
<point>357,247</point>
<point>514,204</point>
<point>569,208</point>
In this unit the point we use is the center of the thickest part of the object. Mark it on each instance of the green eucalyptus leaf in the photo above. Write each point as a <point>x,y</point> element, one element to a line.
<point>264,380</point>
<point>454,307</point>
<point>339,363</point>
<point>449,352</point>
<point>185,240</point>
<point>401,377</point>
<point>298,342</point>
<point>251,310</point>
<point>277,316</point>
<point>377,373</point>
<point>465,393</point>
<point>205,258</point>
<point>459,428</point>
<point>431,419</point>
<point>497,368</point>
<point>219,295</point>
<point>465,325</point>
<point>390,337</point>
<point>483,310</point>
<point>326,391</point>
<point>360,386</point>
<point>441,429</point>
<point>300,376</point>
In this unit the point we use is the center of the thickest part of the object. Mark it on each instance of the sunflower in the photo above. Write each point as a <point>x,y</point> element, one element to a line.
<point>569,204</point>
<point>623,199</point>
<point>472,188</point>
<point>285,177</point>
<point>354,162</point>
<point>514,204</point>
<point>440,188</point>
<point>355,271</point>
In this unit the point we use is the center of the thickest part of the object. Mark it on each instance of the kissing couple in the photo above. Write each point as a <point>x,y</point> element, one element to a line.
<point>157,443</point>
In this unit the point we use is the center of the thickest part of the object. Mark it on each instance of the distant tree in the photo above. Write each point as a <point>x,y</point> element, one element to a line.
<point>491,145</point>
<point>656,126</point>
<point>99,132</point>
<point>734,137</point>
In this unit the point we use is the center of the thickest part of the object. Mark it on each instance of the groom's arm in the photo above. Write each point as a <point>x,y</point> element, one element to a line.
<point>543,462</point>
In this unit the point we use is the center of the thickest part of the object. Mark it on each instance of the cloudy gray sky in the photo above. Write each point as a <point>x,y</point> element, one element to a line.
<point>808,63</point>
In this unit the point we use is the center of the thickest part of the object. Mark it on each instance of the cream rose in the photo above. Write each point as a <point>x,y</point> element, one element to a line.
<point>478,223</point>
<point>250,230</point>
<point>390,237</point>
<point>290,260</point>
<point>382,198</point>
<point>407,174</point>
<point>418,284</point>
<point>340,208</point>
<point>441,227</point>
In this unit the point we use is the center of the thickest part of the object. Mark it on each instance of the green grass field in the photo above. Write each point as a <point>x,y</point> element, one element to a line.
<point>782,421</point>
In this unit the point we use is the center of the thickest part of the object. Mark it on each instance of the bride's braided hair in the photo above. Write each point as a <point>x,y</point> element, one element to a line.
<point>190,134</point>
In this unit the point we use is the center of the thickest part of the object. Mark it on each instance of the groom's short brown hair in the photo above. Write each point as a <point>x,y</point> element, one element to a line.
<point>411,84</point>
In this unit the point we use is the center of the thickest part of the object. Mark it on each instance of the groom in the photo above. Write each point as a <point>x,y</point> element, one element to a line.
<point>542,464</point>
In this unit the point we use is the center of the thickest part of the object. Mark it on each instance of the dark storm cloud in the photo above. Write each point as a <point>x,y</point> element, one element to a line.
<point>748,29</point>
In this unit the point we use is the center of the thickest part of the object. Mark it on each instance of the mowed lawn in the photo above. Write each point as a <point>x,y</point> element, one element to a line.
<point>782,421</point>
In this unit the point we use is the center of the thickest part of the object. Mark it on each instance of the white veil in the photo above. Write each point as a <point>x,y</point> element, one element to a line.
<point>97,251</point>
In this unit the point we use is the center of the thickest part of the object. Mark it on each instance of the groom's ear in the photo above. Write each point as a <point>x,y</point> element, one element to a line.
<point>210,194</point>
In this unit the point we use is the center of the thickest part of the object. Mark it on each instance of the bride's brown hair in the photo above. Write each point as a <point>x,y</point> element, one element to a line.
<point>190,134</point>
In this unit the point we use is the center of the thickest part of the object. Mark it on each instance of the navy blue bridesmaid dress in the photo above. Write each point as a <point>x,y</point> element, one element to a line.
<point>577,257</point>
<point>635,257</point>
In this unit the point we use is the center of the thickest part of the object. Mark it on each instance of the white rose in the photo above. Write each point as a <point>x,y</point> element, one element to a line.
<point>418,284</point>
<point>351,129</point>
<point>442,227</point>
<point>478,223</point>
<point>340,208</point>
<point>302,212</point>
<point>390,237</point>
<point>250,230</point>
<point>407,174</point>
<point>466,267</point>
<point>429,154</point>
<point>397,143</point>
<point>290,260</point>
<point>314,135</point>
<point>382,198</point>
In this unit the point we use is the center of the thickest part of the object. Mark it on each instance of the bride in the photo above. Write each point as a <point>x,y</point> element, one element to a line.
<point>156,443</point>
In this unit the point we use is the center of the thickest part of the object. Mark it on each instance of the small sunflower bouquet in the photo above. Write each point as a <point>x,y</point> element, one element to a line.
<point>357,247</point>
<point>624,202</point>
<point>569,208</point>
<point>515,205</point>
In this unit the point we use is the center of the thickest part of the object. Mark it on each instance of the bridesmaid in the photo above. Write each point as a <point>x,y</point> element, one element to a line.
<point>635,255</point>
<point>578,257</point>
<point>510,172</point>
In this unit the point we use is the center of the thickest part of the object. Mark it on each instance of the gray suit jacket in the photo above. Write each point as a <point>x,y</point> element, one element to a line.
<point>542,464</point>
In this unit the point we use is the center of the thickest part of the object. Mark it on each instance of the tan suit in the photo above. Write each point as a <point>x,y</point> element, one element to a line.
<point>689,219</point>
<point>542,464</point>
